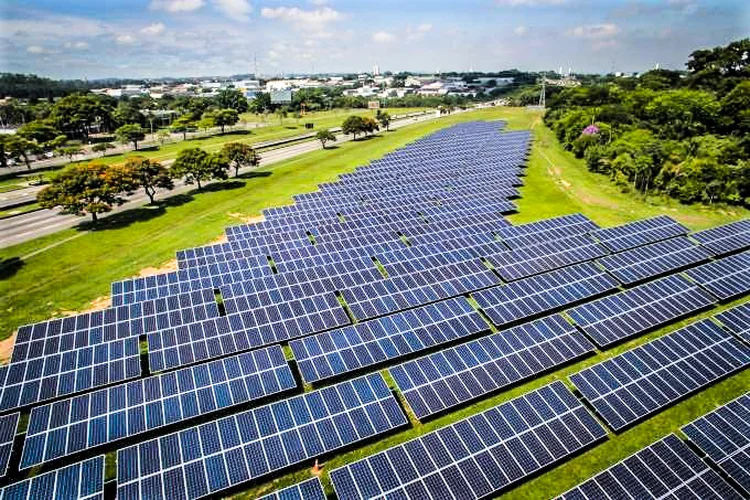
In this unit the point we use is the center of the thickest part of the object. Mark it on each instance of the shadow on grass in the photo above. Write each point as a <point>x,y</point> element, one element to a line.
<point>252,175</point>
<point>237,132</point>
<point>146,149</point>
<point>218,186</point>
<point>10,266</point>
<point>331,147</point>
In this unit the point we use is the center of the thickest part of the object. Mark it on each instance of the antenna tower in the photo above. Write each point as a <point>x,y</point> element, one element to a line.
<point>543,94</point>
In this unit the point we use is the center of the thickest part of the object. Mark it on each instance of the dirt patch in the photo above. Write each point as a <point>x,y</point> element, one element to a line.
<point>150,271</point>
<point>221,239</point>
<point>247,219</point>
<point>6,348</point>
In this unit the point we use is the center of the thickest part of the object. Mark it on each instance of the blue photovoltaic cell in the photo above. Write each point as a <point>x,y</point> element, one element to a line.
<point>479,455</point>
<point>340,351</point>
<point>450,377</point>
<point>643,380</point>
<point>555,228</point>
<point>543,293</point>
<point>311,489</point>
<point>737,320</point>
<point>725,278</point>
<point>725,239</point>
<point>611,319</point>
<point>667,468</point>
<point>90,420</point>
<point>638,233</point>
<point>724,435</point>
<point>79,481</point>
<point>638,264</point>
<point>8,428</point>
<point>217,455</point>
<point>48,377</point>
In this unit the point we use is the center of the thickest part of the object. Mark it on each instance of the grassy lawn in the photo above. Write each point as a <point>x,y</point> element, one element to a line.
<point>67,270</point>
<point>22,209</point>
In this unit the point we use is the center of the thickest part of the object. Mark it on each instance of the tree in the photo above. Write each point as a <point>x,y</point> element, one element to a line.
<point>150,175</point>
<point>131,132</point>
<point>196,165</point>
<point>297,116</point>
<point>70,151</point>
<point>183,124</point>
<point>232,99</point>
<point>240,155</point>
<point>369,125</point>
<point>82,189</point>
<point>223,117</point>
<point>325,136</point>
<point>40,131</point>
<point>20,148</point>
<point>163,136</point>
<point>102,147</point>
<point>281,113</point>
<point>206,123</point>
<point>384,119</point>
<point>353,125</point>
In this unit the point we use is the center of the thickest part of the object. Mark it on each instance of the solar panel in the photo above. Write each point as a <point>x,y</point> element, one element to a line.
<point>72,425</point>
<point>418,288</point>
<point>638,264</point>
<point>612,319</point>
<point>79,481</point>
<point>48,377</point>
<point>543,293</point>
<point>546,256</point>
<point>223,453</point>
<point>638,233</point>
<point>737,320</point>
<point>724,435</point>
<point>544,230</point>
<point>725,278</point>
<point>641,381</point>
<point>8,429</point>
<point>667,468</point>
<point>311,489</point>
<point>451,377</point>
<point>725,239</point>
<point>368,343</point>
<point>479,455</point>
<point>252,321</point>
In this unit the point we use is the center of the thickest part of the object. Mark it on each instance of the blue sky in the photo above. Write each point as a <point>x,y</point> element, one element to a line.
<point>152,38</point>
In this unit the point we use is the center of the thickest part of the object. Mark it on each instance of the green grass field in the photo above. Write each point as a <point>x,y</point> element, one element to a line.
<point>68,270</point>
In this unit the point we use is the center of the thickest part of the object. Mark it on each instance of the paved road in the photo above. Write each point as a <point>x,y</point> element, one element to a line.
<point>35,224</point>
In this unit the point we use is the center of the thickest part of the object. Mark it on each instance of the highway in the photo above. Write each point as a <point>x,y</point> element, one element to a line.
<point>25,227</point>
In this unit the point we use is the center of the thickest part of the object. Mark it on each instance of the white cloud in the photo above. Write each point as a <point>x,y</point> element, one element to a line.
<point>318,2</point>
<point>237,9</point>
<point>520,30</point>
<point>36,49</point>
<point>383,37</point>
<point>176,5</point>
<point>125,39</point>
<point>424,27</point>
<point>76,45</point>
<point>529,3</point>
<point>299,16</point>
<point>153,29</point>
<point>598,31</point>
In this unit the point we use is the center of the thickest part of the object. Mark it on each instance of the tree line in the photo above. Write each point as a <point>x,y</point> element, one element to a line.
<point>96,188</point>
<point>685,135</point>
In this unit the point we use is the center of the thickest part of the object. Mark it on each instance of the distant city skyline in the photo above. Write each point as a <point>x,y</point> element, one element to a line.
<point>189,38</point>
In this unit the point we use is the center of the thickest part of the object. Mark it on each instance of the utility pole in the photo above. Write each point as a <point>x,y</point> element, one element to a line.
<point>542,95</point>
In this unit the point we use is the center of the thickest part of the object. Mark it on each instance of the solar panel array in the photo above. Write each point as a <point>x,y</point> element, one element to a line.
<point>217,455</point>
<point>365,344</point>
<point>643,380</point>
<point>667,468</point>
<point>638,233</point>
<point>454,376</point>
<point>725,239</point>
<point>737,320</point>
<point>617,317</point>
<point>642,263</point>
<point>479,455</point>
<point>542,293</point>
<point>73,425</point>
<point>395,247</point>
<point>724,435</point>
<point>79,481</point>
<point>725,278</point>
